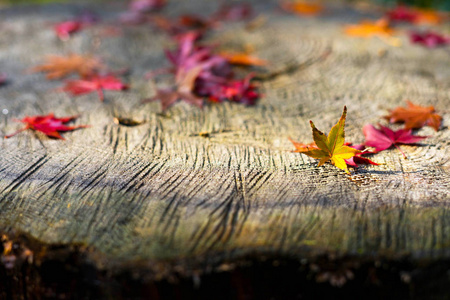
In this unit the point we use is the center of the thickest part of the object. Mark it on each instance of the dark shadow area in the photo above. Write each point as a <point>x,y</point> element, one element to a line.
<point>32,270</point>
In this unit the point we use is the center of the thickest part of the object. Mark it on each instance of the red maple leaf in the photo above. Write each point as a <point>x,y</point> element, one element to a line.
<point>49,125</point>
<point>94,84</point>
<point>429,39</point>
<point>383,138</point>
<point>65,29</point>
<point>358,159</point>
<point>219,90</point>
<point>403,13</point>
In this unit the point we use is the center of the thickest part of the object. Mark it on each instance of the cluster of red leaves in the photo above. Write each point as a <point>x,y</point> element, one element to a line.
<point>88,68</point>
<point>429,39</point>
<point>382,138</point>
<point>48,125</point>
<point>354,161</point>
<point>411,15</point>
<point>199,72</point>
<point>65,29</point>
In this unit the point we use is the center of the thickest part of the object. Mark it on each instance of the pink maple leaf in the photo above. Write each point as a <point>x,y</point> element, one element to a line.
<point>429,39</point>
<point>358,159</point>
<point>383,138</point>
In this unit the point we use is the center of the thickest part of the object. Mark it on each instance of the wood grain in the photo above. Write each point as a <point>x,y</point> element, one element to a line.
<point>161,191</point>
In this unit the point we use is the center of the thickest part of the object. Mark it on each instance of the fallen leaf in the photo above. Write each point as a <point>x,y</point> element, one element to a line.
<point>243,59</point>
<point>94,84</point>
<point>431,17</point>
<point>65,29</point>
<point>49,125</point>
<point>369,29</point>
<point>302,8</point>
<point>429,39</point>
<point>331,147</point>
<point>146,5</point>
<point>240,91</point>
<point>402,13</point>
<point>415,116</point>
<point>384,138</point>
<point>58,67</point>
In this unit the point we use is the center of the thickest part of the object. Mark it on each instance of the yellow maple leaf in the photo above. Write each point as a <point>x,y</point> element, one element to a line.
<point>331,147</point>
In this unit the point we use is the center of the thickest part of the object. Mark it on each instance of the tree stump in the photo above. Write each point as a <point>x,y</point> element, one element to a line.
<point>211,203</point>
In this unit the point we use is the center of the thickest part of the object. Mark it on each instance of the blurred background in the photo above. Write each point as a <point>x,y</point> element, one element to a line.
<point>434,4</point>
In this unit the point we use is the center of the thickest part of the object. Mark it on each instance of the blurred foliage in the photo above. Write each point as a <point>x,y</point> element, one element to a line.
<point>29,1</point>
<point>434,4</point>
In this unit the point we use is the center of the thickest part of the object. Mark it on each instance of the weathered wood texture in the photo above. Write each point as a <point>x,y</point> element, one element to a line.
<point>159,191</point>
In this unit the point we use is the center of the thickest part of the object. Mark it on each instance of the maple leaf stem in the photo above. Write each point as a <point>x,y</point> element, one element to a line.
<point>399,149</point>
<point>13,134</point>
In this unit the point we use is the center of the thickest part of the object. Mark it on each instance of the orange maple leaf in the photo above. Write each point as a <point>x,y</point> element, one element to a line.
<point>300,147</point>
<point>302,8</point>
<point>428,17</point>
<point>369,28</point>
<point>243,59</point>
<point>415,116</point>
<point>62,66</point>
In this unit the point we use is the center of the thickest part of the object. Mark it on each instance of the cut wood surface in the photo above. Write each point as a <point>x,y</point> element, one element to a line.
<point>163,191</point>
